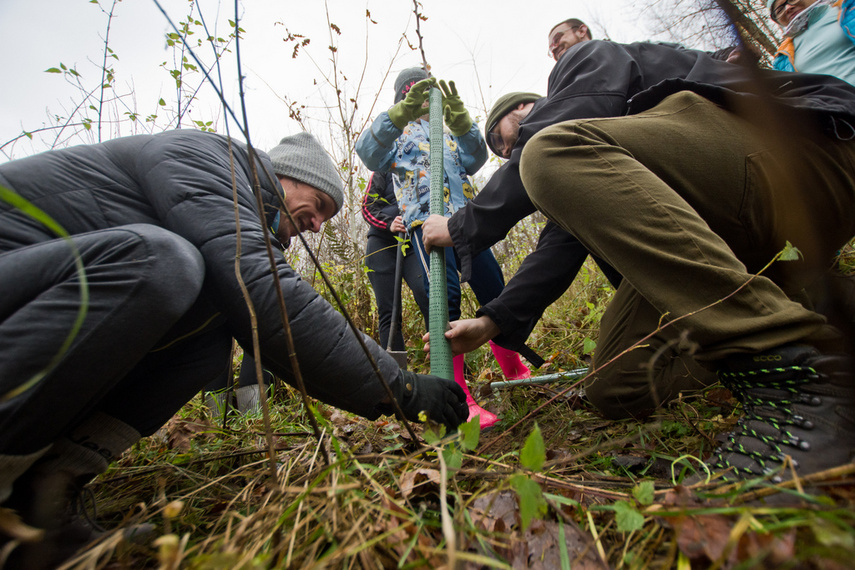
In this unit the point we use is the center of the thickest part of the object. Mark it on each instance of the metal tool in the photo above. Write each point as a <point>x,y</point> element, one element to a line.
<point>568,375</point>
<point>400,356</point>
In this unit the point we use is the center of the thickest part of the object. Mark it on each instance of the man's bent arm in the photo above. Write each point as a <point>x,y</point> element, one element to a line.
<point>543,277</point>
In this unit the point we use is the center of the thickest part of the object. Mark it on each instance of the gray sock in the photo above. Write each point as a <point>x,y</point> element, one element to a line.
<point>90,447</point>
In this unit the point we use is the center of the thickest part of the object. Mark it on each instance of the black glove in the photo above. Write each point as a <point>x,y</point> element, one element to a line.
<point>442,400</point>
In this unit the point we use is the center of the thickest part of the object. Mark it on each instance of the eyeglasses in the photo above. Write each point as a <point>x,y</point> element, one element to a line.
<point>778,10</point>
<point>553,41</point>
<point>496,141</point>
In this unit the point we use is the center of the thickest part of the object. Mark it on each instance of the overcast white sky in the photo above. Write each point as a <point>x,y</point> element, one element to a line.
<point>489,47</point>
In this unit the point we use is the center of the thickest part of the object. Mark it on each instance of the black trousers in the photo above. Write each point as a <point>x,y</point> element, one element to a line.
<point>246,376</point>
<point>380,257</point>
<point>132,357</point>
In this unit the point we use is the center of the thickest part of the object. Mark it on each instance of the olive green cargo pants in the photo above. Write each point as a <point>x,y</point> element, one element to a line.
<point>689,202</point>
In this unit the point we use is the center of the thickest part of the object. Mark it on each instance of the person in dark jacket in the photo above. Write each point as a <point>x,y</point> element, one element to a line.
<point>566,34</point>
<point>509,319</point>
<point>688,176</point>
<point>386,227</point>
<point>160,225</point>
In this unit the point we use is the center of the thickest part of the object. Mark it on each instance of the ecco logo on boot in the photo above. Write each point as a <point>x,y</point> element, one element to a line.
<point>767,358</point>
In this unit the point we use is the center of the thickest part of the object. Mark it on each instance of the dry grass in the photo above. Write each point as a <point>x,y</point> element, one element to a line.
<point>387,502</point>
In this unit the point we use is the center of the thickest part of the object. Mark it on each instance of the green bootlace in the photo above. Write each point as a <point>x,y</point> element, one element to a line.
<point>780,413</point>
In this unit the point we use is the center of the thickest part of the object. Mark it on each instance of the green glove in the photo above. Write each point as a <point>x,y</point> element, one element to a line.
<point>410,108</point>
<point>442,400</point>
<point>456,116</point>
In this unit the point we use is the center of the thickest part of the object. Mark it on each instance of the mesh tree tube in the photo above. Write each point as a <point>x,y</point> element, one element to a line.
<point>440,350</point>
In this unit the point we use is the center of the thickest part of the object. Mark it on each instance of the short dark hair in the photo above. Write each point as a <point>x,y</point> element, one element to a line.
<point>574,23</point>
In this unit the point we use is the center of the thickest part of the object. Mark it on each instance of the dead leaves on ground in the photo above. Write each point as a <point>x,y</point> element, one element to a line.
<point>495,516</point>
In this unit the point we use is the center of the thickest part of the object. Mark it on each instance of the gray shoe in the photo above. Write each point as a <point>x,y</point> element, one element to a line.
<point>797,402</point>
<point>248,399</point>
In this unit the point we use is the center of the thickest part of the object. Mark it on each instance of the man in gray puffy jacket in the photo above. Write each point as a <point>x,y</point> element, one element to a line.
<point>156,222</point>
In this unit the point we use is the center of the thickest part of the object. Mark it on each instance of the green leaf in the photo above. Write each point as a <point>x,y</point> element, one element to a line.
<point>832,536</point>
<point>790,253</point>
<point>563,554</point>
<point>627,517</point>
<point>562,500</point>
<point>643,493</point>
<point>470,433</point>
<point>588,345</point>
<point>53,70</point>
<point>533,453</point>
<point>532,503</point>
<point>431,437</point>
<point>453,456</point>
<point>162,103</point>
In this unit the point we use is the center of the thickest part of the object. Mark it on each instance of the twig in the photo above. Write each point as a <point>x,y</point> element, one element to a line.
<point>104,66</point>
<point>447,526</point>
<point>416,7</point>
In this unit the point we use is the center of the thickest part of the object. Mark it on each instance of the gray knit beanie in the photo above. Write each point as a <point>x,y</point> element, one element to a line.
<point>504,105</point>
<point>302,158</point>
<point>407,79</point>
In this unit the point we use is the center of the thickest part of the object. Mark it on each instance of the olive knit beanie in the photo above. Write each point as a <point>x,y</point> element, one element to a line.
<point>302,158</point>
<point>504,105</point>
<point>407,79</point>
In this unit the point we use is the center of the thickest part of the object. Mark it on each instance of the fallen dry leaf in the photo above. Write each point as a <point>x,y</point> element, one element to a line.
<point>419,477</point>
<point>540,547</point>
<point>704,538</point>
<point>179,433</point>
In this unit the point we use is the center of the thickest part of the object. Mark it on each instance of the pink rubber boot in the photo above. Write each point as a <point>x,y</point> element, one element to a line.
<point>510,363</point>
<point>487,419</point>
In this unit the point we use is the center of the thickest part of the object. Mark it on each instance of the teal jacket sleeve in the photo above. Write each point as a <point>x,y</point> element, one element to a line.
<point>473,150</point>
<point>376,145</point>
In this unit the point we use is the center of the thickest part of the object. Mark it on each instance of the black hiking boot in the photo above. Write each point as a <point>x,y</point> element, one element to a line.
<point>59,504</point>
<point>52,502</point>
<point>797,402</point>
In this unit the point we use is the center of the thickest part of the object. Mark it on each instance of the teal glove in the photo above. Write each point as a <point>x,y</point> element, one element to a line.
<point>410,108</point>
<point>456,116</point>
